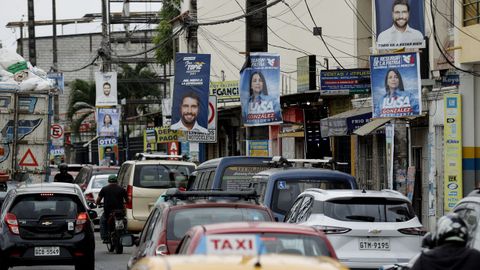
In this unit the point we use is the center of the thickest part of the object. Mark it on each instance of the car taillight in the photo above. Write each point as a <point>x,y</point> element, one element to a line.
<point>130,196</point>
<point>82,219</point>
<point>413,231</point>
<point>12,223</point>
<point>89,197</point>
<point>332,229</point>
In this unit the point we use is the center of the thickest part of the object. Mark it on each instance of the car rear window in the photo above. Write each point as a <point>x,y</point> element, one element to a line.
<point>100,181</point>
<point>180,221</point>
<point>162,175</point>
<point>285,192</point>
<point>240,176</point>
<point>366,209</point>
<point>40,206</point>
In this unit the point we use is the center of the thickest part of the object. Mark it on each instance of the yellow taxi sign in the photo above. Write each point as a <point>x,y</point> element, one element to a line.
<point>236,262</point>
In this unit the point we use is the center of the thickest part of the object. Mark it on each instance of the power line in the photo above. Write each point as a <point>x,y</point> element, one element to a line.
<point>83,67</point>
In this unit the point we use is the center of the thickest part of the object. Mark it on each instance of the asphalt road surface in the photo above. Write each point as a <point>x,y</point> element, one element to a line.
<point>103,259</point>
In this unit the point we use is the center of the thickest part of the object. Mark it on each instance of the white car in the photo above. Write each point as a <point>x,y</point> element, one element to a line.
<point>367,229</point>
<point>91,192</point>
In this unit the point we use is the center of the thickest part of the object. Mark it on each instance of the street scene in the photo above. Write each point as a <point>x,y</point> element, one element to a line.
<point>239,134</point>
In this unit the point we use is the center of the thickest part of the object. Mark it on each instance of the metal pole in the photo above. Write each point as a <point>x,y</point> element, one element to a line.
<point>105,39</point>
<point>32,54</point>
<point>54,30</point>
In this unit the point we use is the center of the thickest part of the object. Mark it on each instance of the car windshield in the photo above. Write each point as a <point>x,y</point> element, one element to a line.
<point>162,175</point>
<point>239,177</point>
<point>285,192</point>
<point>366,209</point>
<point>180,221</point>
<point>100,181</point>
<point>49,205</point>
<point>280,243</point>
<point>470,212</point>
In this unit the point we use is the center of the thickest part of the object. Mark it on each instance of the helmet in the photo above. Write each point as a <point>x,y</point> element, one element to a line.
<point>112,178</point>
<point>63,167</point>
<point>451,227</point>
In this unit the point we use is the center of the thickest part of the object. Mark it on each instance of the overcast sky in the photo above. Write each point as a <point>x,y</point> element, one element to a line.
<point>66,9</point>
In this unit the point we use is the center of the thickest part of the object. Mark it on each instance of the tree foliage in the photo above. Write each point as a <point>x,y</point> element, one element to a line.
<point>137,86</point>
<point>82,103</point>
<point>164,53</point>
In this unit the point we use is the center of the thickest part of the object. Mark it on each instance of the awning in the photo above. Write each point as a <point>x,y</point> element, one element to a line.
<point>345,123</point>
<point>371,126</point>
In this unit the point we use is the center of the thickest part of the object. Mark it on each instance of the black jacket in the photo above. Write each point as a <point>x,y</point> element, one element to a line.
<point>449,256</point>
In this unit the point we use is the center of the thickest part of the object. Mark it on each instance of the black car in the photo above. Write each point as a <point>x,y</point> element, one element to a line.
<point>46,224</point>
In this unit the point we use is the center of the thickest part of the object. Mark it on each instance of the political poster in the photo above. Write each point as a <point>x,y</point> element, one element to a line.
<point>211,136</point>
<point>400,24</point>
<point>226,91</point>
<point>396,85</point>
<point>260,90</point>
<point>107,151</point>
<point>149,140</point>
<point>108,122</point>
<point>106,89</point>
<point>190,92</point>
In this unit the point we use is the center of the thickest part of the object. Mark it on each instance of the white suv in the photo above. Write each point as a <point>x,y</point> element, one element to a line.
<point>145,180</point>
<point>367,229</point>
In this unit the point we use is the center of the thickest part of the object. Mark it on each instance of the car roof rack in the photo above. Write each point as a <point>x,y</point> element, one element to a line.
<point>159,156</point>
<point>174,194</point>
<point>326,162</point>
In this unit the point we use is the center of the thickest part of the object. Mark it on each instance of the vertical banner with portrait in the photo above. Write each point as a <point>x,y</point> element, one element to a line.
<point>190,92</point>
<point>400,24</point>
<point>108,151</point>
<point>108,122</point>
<point>396,85</point>
<point>149,140</point>
<point>260,90</point>
<point>106,89</point>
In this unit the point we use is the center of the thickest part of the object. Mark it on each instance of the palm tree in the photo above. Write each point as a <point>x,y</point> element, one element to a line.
<point>135,85</point>
<point>82,103</point>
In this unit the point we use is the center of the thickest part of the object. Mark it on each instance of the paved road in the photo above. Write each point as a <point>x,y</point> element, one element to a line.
<point>103,259</point>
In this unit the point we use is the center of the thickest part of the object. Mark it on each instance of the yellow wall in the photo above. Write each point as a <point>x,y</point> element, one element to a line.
<point>470,51</point>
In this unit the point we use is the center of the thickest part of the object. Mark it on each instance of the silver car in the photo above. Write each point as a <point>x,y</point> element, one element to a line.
<point>469,209</point>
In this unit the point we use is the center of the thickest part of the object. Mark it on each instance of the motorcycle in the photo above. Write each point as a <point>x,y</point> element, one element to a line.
<point>117,226</point>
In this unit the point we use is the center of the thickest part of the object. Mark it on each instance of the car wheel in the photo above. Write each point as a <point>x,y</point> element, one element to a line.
<point>86,264</point>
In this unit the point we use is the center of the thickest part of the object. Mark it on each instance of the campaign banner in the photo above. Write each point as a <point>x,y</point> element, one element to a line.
<point>108,122</point>
<point>260,90</point>
<point>396,85</point>
<point>166,135</point>
<point>452,141</point>
<point>190,92</point>
<point>211,136</point>
<point>344,82</point>
<point>57,154</point>
<point>106,89</point>
<point>226,91</point>
<point>400,24</point>
<point>149,140</point>
<point>108,151</point>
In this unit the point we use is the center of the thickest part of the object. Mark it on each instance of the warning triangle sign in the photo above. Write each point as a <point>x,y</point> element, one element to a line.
<point>28,159</point>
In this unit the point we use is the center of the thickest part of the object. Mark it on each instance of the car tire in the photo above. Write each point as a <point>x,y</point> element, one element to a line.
<point>87,263</point>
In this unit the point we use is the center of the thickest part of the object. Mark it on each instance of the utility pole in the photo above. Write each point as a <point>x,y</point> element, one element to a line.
<point>105,51</point>
<point>32,54</point>
<point>192,37</point>
<point>54,30</point>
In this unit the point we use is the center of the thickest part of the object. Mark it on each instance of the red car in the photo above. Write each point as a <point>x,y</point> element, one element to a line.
<point>251,238</point>
<point>169,221</point>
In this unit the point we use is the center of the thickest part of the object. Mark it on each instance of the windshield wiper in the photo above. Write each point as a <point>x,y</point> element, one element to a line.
<point>362,218</point>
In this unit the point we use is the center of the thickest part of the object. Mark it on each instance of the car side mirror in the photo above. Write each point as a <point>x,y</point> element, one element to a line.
<point>3,187</point>
<point>128,240</point>
<point>92,214</point>
<point>161,250</point>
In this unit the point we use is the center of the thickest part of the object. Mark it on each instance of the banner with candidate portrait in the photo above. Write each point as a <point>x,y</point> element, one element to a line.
<point>106,89</point>
<point>260,90</point>
<point>108,122</point>
<point>108,151</point>
<point>190,92</point>
<point>396,85</point>
<point>400,24</point>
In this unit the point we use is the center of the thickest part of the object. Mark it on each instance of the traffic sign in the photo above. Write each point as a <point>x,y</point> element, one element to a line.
<point>56,131</point>
<point>28,160</point>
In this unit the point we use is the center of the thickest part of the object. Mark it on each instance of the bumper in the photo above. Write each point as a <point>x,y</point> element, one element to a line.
<point>371,263</point>
<point>134,225</point>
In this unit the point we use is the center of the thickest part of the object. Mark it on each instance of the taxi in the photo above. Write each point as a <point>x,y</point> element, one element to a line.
<point>236,262</point>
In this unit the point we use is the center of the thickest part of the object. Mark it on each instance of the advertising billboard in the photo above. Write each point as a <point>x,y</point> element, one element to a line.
<point>344,82</point>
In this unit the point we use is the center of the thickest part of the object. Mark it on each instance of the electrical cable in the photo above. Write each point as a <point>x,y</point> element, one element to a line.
<point>81,68</point>
<point>434,30</point>
<point>360,18</point>
<point>453,24</point>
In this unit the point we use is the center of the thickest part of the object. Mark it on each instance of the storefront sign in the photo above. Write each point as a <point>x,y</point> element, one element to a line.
<point>258,148</point>
<point>452,136</point>
<point>344,82</point>
<point>226,91</point>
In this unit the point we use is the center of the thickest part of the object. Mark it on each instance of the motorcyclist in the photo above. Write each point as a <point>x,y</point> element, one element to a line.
<point>114,198</point>
<point>63,175</point>
<point>450,250</point>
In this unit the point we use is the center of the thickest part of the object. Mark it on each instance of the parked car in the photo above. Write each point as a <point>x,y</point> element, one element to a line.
<point>256,237</point>
<point>265,262</point>
<point>85,174</point>
<point>469,209</point>
<point>145,180</point>
<point>47,224</point>
<point>96,184</point>
<point>73,169</point>
<point>169,221</point>
<point>279,187</point>
<point>367,229</point>
<point>5,187</point>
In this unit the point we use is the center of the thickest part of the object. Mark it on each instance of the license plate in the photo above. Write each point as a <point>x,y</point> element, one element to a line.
<point>374,244</point>
<point>47,251</point>
<point>119,224</point>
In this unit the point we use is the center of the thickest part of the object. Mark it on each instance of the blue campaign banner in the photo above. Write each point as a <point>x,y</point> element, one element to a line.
<point>400,24</point>
<point>190,92</point>
<point>396,85</point>
<point>108,122</point>
<point>260,90</point>
<point>344,81</point>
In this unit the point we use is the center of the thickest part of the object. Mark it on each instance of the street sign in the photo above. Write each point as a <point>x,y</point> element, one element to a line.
<point>56,133</point>
<point>28,160</point>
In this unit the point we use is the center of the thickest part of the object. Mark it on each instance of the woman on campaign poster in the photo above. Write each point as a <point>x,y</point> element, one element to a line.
<point>108,122</point>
